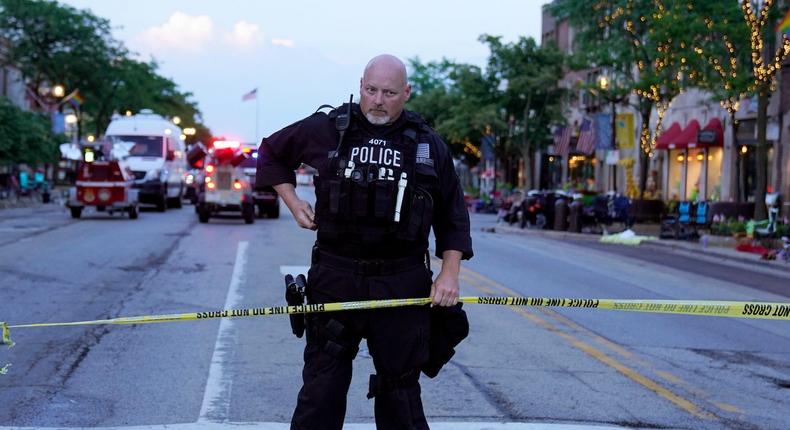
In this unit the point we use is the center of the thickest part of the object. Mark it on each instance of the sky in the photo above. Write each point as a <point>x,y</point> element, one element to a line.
<point>299,54</point>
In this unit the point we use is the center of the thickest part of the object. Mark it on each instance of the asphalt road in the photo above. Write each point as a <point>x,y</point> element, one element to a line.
<point>570,368</point>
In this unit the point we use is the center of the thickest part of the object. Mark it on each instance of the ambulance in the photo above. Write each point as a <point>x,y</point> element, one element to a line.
<point>157,156</point>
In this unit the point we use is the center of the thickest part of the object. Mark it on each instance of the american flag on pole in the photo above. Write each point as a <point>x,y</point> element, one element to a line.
<point>250,95</point>
<point>586,142</point>
<point>562,140</point>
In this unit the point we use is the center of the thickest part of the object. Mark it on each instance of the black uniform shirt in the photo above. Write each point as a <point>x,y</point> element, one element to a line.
<point>310,140</point>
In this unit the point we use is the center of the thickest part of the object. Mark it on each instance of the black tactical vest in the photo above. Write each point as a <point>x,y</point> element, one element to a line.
<point>377,187</point>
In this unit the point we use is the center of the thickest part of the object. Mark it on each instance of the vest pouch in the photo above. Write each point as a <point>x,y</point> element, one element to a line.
<point>338,198</point>
<point>418,224</point>
<point>384,200</point>
<point>359,199</point>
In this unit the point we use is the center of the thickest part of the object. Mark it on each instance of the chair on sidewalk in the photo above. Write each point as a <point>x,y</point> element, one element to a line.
<point>677,226</point>
<point>700,219</point>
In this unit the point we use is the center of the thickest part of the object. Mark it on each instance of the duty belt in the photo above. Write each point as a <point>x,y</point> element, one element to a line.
<point>368,266</point>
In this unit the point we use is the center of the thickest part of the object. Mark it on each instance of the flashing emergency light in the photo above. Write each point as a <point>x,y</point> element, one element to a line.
<point>210,168</point>
<point>237,185</point>
<point>211,185</point>
<point>226,144</point>
<point>89,157</point>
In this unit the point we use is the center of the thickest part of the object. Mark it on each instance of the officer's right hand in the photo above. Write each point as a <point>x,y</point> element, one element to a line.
<point>300,209</point>
<point>304,215</point>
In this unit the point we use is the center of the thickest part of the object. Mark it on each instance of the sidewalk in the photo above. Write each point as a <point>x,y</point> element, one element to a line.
<point>56,198</point>
<point>709,248</point>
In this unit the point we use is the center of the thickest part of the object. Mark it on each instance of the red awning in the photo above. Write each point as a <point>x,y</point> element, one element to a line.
<point>712,134</point>
<point>668,137</point>
<point>688,137</point>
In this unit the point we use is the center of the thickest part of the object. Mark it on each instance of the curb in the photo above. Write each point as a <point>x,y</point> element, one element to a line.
<point>778,267</point>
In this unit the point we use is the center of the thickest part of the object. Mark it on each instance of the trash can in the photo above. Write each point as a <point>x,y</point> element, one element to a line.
<point>560,215</point>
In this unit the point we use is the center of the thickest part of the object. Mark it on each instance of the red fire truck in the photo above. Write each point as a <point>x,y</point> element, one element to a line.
<point>224,186</point>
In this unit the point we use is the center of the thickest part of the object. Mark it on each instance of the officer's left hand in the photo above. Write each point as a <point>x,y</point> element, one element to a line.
<point>444,291</point>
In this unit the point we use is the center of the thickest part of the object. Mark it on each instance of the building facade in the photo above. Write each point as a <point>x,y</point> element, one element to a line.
<point>12,85</point>
<point>699,154</point>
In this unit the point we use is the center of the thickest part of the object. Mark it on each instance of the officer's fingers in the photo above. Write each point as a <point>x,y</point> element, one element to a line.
<point>309,211</point>
<point>438,296</point>
<point>306,222</point>
<point>447,300</point>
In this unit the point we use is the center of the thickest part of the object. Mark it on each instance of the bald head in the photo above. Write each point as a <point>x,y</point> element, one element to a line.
<point>388,64</point>
<point>383,89</point>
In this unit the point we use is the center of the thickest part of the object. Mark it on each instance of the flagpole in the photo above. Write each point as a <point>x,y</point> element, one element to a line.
<point>257,116</point>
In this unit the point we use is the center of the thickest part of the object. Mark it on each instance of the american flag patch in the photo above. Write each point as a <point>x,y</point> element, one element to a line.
<point>424,154</point>
<point>423,150</point>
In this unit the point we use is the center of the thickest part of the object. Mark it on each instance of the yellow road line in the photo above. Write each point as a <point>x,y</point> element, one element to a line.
<point>699,392</point>
<point>478,281</point>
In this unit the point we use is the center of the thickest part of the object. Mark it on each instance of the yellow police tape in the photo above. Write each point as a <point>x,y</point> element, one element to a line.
<point>759,310</point>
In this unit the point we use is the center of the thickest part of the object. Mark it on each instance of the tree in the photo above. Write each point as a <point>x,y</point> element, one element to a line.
<point>763,77</point>
<point>56,44</point>
<point>458,100</point>
<point>132,85</point>
<point>717,35</point>
<point>526,74</point>
<point>623,36</point>
<point>25,137</point>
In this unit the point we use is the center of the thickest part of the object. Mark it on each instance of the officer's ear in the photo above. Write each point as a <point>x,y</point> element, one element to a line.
<point>407,92</point>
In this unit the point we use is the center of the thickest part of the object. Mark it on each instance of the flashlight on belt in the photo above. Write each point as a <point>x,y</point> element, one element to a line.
<point>401,188</point>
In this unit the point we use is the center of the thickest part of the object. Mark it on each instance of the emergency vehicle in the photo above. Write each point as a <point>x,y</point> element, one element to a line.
<point>265,198</point>
<point>156,156</point>
<point>105,182</point>
<point>225,187</point>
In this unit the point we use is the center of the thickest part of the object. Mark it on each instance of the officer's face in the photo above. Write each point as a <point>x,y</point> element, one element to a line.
<point>382,93</point>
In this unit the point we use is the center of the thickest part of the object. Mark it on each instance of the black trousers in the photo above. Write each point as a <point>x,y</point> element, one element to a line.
<point>397,340</point>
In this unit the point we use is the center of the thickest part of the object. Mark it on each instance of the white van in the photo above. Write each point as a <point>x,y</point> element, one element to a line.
<point>157,156</point>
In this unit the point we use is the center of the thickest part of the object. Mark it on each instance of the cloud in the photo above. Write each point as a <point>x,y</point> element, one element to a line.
<point>181,32</point>
<point>245,35</point>
<point>288,43</point>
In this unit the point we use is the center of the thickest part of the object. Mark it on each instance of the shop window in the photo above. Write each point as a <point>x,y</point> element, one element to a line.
<point>676,161</point>
<point>581,172</point>
<point>550,172</point>
<point>694,171</point>
<point>747,171</point>
<point>715,159</point>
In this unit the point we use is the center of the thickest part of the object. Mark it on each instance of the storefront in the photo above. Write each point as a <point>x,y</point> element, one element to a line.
<point>581,171</point>
<point>693,160</point>
<point>746,163</point>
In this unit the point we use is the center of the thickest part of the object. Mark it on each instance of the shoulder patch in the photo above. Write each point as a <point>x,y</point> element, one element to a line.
<point>424,154</point>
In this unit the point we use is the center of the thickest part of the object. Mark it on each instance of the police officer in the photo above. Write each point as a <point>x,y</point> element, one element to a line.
<point>384,178</point>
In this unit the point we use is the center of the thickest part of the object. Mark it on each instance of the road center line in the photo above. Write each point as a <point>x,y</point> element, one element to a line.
<point>614,347</point>
<point>216,397</point>
<point>478,280</point>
